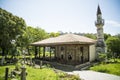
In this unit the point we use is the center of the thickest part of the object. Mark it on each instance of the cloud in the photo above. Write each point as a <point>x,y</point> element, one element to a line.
<point>113,23</point>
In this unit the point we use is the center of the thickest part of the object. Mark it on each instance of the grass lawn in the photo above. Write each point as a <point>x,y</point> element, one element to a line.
<point>39,74</point>
<point>111,68</point>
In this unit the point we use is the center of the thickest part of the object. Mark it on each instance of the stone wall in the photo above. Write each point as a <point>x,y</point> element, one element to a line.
<point>73,53</point>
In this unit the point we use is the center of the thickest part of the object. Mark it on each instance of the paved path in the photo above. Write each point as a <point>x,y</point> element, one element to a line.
<point>92,75</point>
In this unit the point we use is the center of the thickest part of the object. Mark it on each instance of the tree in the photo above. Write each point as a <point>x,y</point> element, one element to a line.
<point>35,34</point>
<point>11,27</point>
<point>106,36</point>
<point>31,35</point>
<point>113,44</point>
<point>92,36</point>
<point>53,34</point>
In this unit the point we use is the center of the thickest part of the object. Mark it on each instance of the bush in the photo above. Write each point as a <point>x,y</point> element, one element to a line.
<point>102,56</point>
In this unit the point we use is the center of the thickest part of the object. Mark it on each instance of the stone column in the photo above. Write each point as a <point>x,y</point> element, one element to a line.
<point>6,73</point>
<point>50,53</point>
<point>43,52</point>
<point>39,51</point>
<point>23,73</point>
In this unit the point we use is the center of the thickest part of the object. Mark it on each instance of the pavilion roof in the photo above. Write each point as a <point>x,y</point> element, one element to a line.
<point>64,39</point>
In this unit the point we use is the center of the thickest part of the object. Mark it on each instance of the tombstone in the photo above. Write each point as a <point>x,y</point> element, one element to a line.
<point>40,64</point>
<point>2,61</point>
<point>23,73</point>
<point>33,63</point>
<point>6,73</point>
<point>30,61</point>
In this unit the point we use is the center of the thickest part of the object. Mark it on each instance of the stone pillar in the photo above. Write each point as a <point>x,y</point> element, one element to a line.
<point>2,61</point>
<point>55,52</point>
<point>23,73</point>
<point>6,73</point>
<point>40,64</point>
<point>43,52</point>
<point>50,53</point>
<point>39,51</point>
<point>36,51</point>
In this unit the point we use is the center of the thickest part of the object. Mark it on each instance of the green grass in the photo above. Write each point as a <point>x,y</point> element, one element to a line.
<point>2,71</point>
<point>111,68</point>
<point>33,74</point>
<point>39,74</point>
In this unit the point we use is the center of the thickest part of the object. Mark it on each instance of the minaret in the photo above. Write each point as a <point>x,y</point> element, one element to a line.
<point>99,23</point>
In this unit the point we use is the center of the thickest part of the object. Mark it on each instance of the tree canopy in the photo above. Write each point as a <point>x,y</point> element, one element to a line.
<point>113,44</point>
<point>11,28</point>
<point>35,34</point>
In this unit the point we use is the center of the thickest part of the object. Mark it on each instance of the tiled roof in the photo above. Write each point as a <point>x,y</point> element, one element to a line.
<point>65,39</point>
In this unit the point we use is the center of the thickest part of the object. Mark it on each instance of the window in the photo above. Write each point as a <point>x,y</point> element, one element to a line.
<point>81,49</point>
<point>62,48</point>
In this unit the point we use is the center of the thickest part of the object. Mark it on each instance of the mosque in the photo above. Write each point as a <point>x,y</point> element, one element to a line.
<point>73,49</point>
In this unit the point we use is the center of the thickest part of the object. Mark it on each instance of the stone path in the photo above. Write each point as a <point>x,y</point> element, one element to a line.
<point>92,75</point>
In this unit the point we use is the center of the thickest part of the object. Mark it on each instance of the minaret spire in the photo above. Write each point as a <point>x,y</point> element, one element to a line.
<point>98,10</point>
<point>99,23</point>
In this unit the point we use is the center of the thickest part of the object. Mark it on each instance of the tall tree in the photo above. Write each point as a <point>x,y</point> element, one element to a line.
<point>31,35</point>
<point>11,27</point>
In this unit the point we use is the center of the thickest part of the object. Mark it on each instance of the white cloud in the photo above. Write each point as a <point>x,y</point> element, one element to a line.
<point>113,23</point>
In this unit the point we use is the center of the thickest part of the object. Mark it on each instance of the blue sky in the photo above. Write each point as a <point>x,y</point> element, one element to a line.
<point>66,15</point>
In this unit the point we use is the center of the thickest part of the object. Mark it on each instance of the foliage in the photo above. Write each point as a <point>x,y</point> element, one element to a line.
<point>113,44</point>
<point>39,74</point>
<point>109,55</point>
<point>32,35</point>
<point>92,36</point>
<point>35,34</point>
<point>11,28</point>
<point>106,36</point>
<point>65,76</point>
<point>114,61</point>
<point>53,34</point>
<point>102,56</point>
<point>2,71</point>
<point>111,68</point>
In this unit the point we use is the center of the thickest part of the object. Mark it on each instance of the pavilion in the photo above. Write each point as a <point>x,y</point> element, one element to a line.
<point>68,48</point>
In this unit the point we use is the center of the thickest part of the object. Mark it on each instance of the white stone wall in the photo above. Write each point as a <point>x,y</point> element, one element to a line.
<point>92,51</point>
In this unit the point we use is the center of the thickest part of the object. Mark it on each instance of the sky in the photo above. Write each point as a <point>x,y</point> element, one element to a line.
<point>66,15</point>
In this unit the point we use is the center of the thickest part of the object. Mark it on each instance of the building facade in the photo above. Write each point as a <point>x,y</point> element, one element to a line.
<point>74,54</point>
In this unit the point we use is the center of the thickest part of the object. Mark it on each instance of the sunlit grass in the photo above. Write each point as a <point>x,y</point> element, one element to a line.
<point>39,74</point>
<point>111,68</point>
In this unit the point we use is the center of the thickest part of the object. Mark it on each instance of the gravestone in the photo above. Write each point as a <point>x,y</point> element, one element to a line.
<point>23,73</point>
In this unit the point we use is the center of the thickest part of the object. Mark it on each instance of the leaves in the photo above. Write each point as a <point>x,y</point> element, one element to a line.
<point>10,27</point>
<point>113,44</point>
